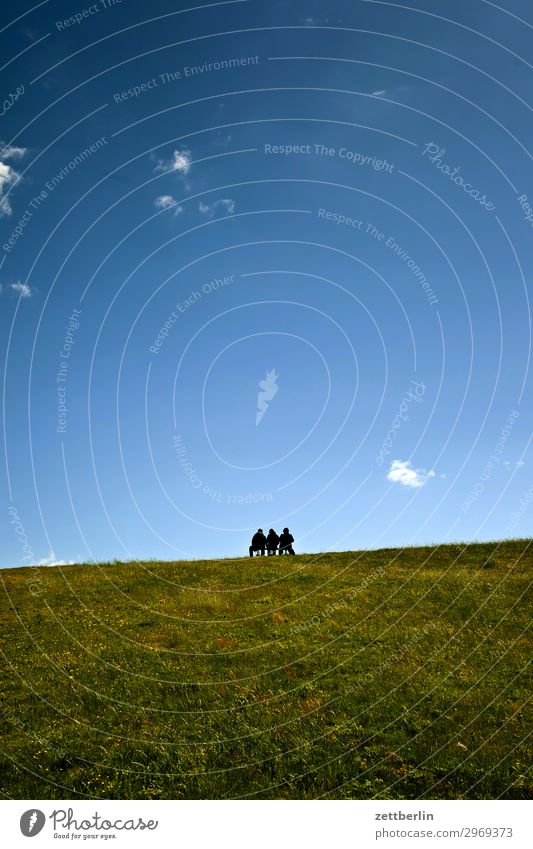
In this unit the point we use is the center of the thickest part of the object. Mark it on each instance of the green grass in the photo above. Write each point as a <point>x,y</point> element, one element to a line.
<point>392,674</point>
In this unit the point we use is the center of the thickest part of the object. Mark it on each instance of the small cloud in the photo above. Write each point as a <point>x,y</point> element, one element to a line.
<point>379,93</point>
<point>314,20</point>
<point>52,561</point>
<point>180,162</point>
<point>513,465</point>
<point>168,202</point>
<point>269,388</point>
<point>224,140</point>
<point>164,201</point>
<point>403,472</point>
<point>9,151</point>
<point>29,33</point>
<point>22,289</point>
<point>8,176</point>
<point>209,209</point>
<point>229,204</point>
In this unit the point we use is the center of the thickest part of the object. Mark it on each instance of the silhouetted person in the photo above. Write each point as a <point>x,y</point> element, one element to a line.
<point>272,541</point>
<point>258,543</point>
<point>285,542</point>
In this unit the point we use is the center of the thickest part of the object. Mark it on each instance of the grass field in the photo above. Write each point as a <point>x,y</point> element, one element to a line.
<point>391,674</point>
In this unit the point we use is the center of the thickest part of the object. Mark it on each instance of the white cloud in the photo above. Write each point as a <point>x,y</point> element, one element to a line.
<point>401,471</point>
<point>51,561</point>
<point>23,289</point>
<point>223,139</point>
<point>209,209</point>
<point>379,93</point>
<point>9,151</point>
<point>29,33</point>
<point>315,20</point>
<point>180,162</point>
<point>168,202</point>
<point>516,465</point>
<point>8,176</point>
<point>164,201</point>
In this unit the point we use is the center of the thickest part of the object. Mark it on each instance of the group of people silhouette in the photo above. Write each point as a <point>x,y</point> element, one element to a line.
<point>272,543</point>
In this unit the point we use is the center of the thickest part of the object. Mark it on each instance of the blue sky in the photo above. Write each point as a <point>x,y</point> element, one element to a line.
<point>315,212</point>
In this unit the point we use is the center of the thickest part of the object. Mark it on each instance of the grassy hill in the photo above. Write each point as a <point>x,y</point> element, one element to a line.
<point>393,674</point>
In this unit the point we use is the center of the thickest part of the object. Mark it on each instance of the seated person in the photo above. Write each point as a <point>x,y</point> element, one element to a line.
<point>272,541</point>
<point>258,543</point>
<point>285,542</point>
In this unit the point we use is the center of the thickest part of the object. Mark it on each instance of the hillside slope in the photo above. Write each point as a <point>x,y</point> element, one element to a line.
<point>388,674</point>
